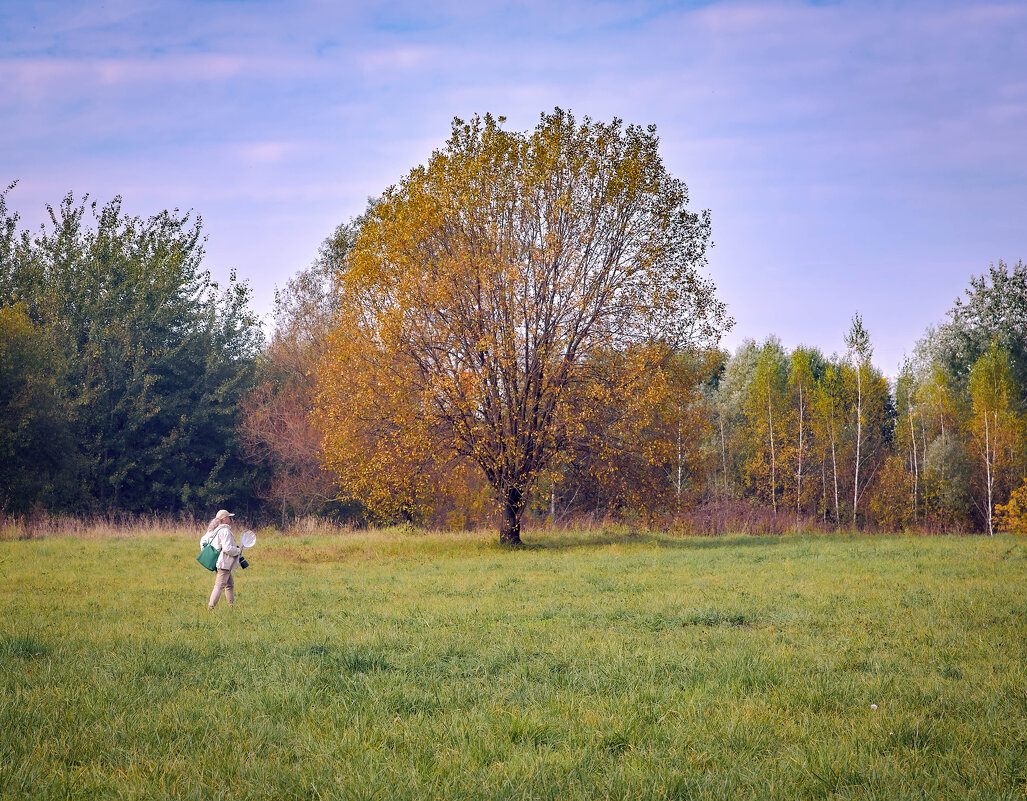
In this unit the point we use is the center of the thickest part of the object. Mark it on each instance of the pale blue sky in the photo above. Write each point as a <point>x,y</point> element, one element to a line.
<point>861,156</point>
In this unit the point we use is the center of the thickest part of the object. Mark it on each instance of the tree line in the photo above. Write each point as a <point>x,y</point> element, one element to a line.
<point>940,448</point>
<point>821,441</point>
<point>519,327</point>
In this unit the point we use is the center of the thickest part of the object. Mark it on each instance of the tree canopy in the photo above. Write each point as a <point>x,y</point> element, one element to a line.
<point>994,310</point>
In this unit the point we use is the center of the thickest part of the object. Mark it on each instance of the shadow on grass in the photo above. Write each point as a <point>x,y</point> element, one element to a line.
<point>564,542</point>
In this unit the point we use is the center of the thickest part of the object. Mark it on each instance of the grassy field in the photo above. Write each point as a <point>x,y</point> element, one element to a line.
<point>591,665</point>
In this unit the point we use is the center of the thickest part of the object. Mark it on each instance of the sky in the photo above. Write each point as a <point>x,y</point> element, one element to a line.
<point>855,156</point>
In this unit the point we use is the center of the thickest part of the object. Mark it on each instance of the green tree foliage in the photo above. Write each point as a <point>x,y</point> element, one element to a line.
<point>805,369</point>
<point>994,426</point>
<point>948,482</point>
<point>963,400</point>
<point>1012,516</point>
<point>871,415</point>
<point>149,356</point>
<point>993,311</point>
<point>908,444</point>
<point>764,410</point>
<point>736,448</point>
<point>828,431</point>
<point>800,431</point>
<point>33,433</point>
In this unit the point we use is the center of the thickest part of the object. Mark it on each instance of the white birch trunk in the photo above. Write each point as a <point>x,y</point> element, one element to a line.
<point>916,467</point>
<point>834,464</point>
<point>987,467</point>
<point>723,450</point>
<point>859,437</point>
<point>798,475</point>
<point>773,458</point>
<point>823,484</point>
<point>678,500</point>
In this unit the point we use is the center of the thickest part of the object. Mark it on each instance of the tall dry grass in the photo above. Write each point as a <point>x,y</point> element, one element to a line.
<point>42,525</point>
<point>709,518</point>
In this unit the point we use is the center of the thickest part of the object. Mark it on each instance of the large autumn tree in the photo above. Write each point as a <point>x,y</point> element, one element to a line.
<point>489,295</point>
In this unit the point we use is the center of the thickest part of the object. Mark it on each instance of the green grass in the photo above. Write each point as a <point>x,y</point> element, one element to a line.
<point>396,666</point>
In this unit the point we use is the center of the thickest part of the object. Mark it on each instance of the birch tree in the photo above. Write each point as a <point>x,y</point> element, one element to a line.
<point>906,432</point>
<point>994,423</point>
<point>828,398</point>
<point>857,341</point>
<point>801,378</point>
<point>766,408</point>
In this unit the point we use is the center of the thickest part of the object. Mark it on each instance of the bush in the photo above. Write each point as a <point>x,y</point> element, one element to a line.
<point>1012,516</point>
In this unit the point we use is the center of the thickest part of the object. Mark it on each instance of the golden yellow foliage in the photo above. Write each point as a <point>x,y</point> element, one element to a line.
<point>1012,516</point>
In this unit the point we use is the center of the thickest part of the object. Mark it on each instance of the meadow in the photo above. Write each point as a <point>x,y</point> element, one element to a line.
<point>587,665</point>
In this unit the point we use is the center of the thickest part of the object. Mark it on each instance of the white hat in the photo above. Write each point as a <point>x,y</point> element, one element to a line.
<point>222,514</point>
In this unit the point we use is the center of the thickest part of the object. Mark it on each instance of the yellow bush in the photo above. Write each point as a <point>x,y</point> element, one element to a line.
<point>1012,516</point>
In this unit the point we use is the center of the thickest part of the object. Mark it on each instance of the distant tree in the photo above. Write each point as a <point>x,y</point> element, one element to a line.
<point>150,356</point>
<point>765,410</point>
<point>952,393</point>
<point>828,403</point>
<point>948,482</point>
<point>642,452</point>
<point>33,431</point>
<point>277,426</point>
<point>993,311</point>
<point>1012,516</point>
<point>859,352</point>
<point>623,445</point>
<point>736,446</point>
<point>995,426</point>
<point>484,291</point>
<point>887,504</point>
<point>805,365</point>
<point>907,431</point>
<point>689,421</point>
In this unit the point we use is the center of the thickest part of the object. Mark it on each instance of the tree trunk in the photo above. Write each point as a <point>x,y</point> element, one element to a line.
<point>916,466</point>
<point>987,467</point>
<point>923,451</point>
<point>798,475</point>
<point>677,500</point>
<point>834,464</point>
<point>723,450</point>
<point>513,506</point>
<point>823,484</point>
<point>773,459</point>
<point>859,438</point>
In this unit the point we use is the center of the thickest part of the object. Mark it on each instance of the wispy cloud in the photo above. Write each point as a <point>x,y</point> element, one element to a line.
<point>40,74</point>
<point>264,152</point>
<point>851,140</point>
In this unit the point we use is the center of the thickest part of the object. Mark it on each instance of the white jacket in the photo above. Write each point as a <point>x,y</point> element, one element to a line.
<point>222,539</point>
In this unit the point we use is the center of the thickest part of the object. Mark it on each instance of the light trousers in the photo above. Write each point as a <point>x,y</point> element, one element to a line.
<point>223,583</point>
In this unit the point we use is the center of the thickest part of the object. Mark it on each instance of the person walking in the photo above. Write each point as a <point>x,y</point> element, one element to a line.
<point>219,534</point>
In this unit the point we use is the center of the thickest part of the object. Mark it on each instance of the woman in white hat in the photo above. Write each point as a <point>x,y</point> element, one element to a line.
<point>219,534</point>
